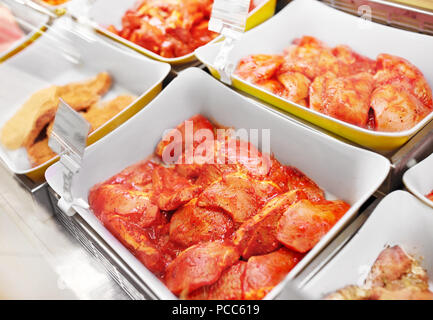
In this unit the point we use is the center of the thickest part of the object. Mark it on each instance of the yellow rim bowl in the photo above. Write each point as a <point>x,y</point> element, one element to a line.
<point>258,15</point>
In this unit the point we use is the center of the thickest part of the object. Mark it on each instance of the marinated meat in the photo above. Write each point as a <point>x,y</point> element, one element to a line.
<point>213,225</point>
<point>264,272</point>
<point>344,98</point>
<point>387,94</point>
<point>394,276</point>
<point>191,225</point>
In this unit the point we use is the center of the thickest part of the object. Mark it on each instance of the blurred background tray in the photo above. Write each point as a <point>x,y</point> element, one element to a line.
<point>402,14</point>
<point>31,22</point>
<point>399,219</point>
<point>102,13</point>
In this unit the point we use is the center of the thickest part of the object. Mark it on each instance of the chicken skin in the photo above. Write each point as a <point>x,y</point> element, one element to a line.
<point>262,70</point>
<point>192,225</point>
<point>138,241</point>
<point>391,69</point>
<point>259,67</point>
<point>396,109</point>
<point>138,175</point>
<point>250,280</point>
<point>351,63</point>
<point>120,200</point>
<point>310,57</point>
<point>344,98</point>
<point>234,194</point>
<point>258,235</point>
<point>228,287</point>
<point>297,180</point>
<point>168,28</point>
<point>296,85</point>
<point>172,189</point>
<point>217,223</point>
<point>246,156</point>
<point>171,142</point>
<point>394,276</point>
<point>394,269</point>
<point>273,86</point>
<point>228,155</point>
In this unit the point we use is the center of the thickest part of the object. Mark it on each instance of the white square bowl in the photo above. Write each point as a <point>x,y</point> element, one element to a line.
<point>419,179</point>
<point>43,64</point>
<point>103,13</point>
<point>343,171</point>
<point>399,219</point>
<point>334,27</point>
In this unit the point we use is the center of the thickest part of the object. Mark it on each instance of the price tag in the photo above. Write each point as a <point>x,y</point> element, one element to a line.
<point>229,17</point>
<point>69,132</point>
<point>69,139</point>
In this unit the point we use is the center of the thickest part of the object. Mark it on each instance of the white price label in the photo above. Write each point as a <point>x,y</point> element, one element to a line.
<point>229,17</point>
<point>69,132</point>
<point>69,139</point>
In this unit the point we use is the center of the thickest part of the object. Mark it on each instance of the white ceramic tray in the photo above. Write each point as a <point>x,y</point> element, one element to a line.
<point>344,171</point>
<point>419,179</point>
<point>30,21</point>
<point>334,27</point>
<point>400,219</point>
<point>43,64</point>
